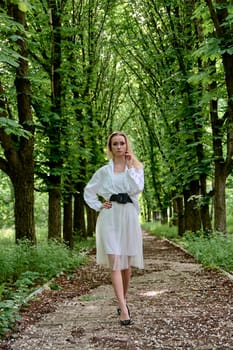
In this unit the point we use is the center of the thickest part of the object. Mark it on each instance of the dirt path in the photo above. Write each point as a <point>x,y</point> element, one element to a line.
<point>175,304</point>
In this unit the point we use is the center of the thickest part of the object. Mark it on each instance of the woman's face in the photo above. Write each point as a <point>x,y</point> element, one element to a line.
<point>118,145</point>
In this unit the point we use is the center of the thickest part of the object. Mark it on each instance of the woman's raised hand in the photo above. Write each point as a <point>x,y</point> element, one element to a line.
<point>128,159</point>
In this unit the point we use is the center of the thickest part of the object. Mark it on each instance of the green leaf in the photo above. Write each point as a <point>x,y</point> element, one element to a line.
<point>7,304</point>
<point>23,6</point>
<point>2,288</point>
<point>12,127</point>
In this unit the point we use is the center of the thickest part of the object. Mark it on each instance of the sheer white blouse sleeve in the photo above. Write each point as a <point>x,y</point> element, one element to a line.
<point>136,180</point>
<point>91,190</point>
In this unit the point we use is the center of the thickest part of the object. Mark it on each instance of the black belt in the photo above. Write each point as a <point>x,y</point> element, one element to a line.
<point>122,198</point>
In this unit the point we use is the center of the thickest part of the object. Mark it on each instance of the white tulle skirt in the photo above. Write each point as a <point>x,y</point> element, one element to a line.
<point>119,237</point>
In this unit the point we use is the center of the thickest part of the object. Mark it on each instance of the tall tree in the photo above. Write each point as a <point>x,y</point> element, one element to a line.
<point>222,127</point>
<point>46,26</point>
<point>18,163</point>
<point>55,9</point>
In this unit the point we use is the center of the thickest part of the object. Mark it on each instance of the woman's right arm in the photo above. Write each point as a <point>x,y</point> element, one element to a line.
<point>91,191</point>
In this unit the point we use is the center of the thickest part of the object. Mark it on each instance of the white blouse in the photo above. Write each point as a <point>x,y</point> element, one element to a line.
<point>104,184</point>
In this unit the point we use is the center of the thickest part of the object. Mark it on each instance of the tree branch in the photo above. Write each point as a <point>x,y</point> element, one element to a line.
<point>214,17</point>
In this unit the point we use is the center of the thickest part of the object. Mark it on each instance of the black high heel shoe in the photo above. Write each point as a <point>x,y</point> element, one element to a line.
<point>125,322</point>
<point>119,310</point>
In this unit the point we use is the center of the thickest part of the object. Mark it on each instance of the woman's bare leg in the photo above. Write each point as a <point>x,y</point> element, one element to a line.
<point>118,287</point>
<point>126,275</point>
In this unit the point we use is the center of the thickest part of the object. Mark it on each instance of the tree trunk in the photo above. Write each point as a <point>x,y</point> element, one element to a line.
<point>164,216</point>
<point>178,214</point>
<point>174,216</point>
<point>24,206</point>
<point>79,213</point>
<point>204,210</point>
<point>68,221</point>
<point>205,218</point>
<point>219,191</point>
<point>223,167</point>
<point>91,221</point>
<point>192,212</point>
<point>19,163</point>
<point>219,199</point>
<point>55,130</point>
<point>54,224</point>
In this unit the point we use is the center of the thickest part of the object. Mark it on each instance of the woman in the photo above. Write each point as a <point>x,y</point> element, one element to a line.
<point>118,232</point>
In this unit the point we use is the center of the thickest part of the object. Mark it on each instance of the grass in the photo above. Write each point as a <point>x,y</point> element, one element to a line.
<point>169,232</point>
<point>23,268</point>
<point>214,251</point>
<point>45,259</point>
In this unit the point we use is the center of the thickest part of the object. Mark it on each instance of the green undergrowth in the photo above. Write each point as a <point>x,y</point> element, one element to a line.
<point>213,250</point>
<point>162,231</point>
<point>24,268</point>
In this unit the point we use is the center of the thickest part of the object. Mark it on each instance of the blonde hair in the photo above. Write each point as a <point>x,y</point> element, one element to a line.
<point>136,163</point>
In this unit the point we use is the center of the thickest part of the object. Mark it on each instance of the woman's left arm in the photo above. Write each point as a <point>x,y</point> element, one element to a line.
<point>135,179</point>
